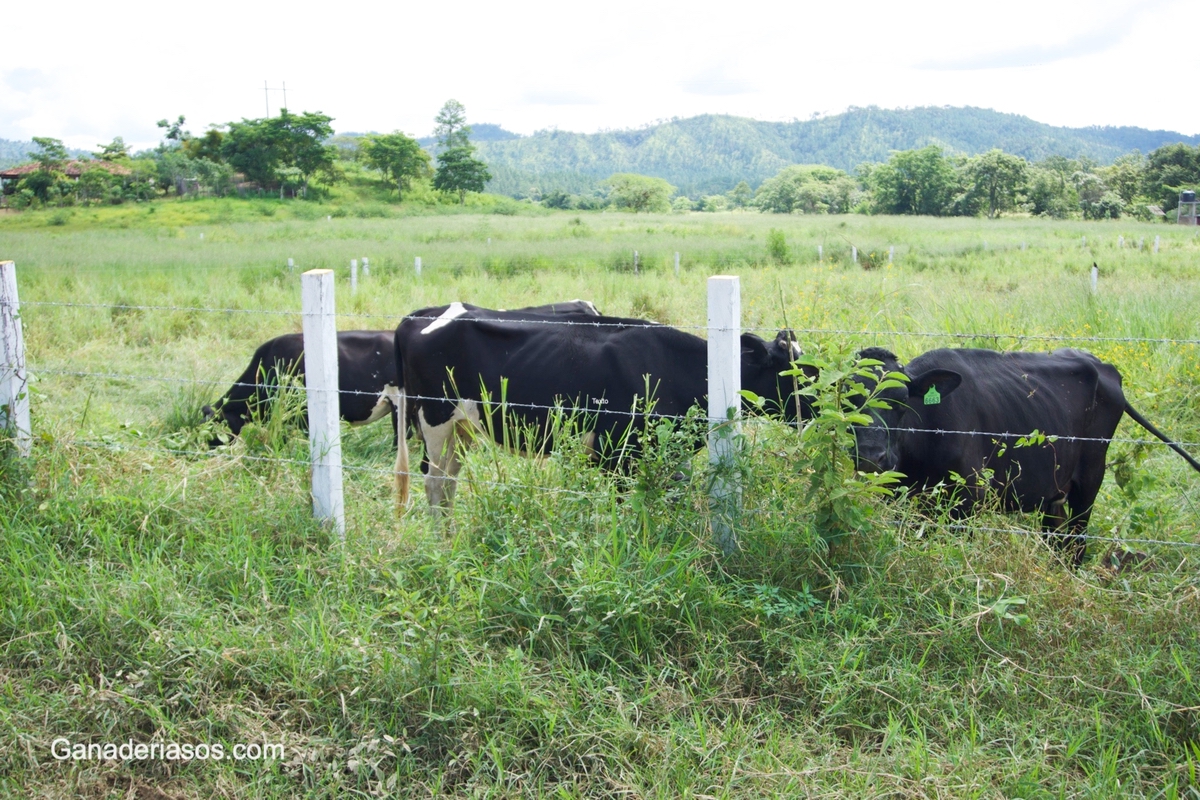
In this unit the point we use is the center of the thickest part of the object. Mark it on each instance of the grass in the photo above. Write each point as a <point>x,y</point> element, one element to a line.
<point>571,633</point>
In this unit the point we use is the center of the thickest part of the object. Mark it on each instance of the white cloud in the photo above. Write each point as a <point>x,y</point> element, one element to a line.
<point>384,66</point>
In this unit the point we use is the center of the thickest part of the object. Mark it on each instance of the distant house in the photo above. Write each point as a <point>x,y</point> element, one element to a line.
<point>72,169</point>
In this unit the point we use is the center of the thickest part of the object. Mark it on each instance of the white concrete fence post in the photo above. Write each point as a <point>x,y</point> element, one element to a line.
<point>14,379</point>
<point>1095,277</point>
<point>366,267</point>
<point>291,265</point>
<point>321,382</point>
<point>820,253</point>
<point>1121,242</point>
<point>854,254</point>
<point>891,254</point>
<point>635,264</point>
<point>354,276</point>
<point>724,403</point>
<point>676,263</point>
<point>417,265</point>
<point>1156,245</point>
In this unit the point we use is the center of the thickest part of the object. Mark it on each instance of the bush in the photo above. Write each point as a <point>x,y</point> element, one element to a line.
<point>777,248</point>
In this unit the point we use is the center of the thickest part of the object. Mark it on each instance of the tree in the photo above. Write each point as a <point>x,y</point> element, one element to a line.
<point>115,150</point>
<point>996,177</point>
<point>261,148</point>
<point>397,156</point>
<point>175,131</point>
<point>459,171</point>
<point>1168,170</point>
<point>914,182</point>
<point>807,188</point>
<point>741,195</point>
<point>51,154</point>
<point>207,146</point>
<point>1124,176</point>
<point>452,129</point>
<point>639,192</point>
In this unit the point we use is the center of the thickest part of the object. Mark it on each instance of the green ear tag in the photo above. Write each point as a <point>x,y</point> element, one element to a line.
<point>932,398</point>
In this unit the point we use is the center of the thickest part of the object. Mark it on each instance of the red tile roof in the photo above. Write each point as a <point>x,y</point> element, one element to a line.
<point>72,169</point>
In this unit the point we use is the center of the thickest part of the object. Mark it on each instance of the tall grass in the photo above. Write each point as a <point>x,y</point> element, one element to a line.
<point>568,632</point>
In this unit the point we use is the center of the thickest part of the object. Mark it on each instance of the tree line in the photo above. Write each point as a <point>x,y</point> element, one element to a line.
<point>297,155</point>
<point>291,155</point>
<point>928,182</point>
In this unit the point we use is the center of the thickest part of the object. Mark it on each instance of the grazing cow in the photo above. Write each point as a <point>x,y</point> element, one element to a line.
<point>926,430</point>
<point>365,368</point>
<point>366,373</point>
<point>598,366</point>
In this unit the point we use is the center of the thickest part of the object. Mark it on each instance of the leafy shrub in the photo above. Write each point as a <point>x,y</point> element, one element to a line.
<point>777,247</point>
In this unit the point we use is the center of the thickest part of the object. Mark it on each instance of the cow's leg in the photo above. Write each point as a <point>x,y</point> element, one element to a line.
<point>442,452</point>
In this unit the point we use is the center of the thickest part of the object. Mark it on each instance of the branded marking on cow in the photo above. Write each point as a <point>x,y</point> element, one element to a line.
<point>452,313</point>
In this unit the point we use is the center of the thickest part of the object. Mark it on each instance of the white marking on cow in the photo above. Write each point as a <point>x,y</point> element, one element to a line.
<point>442,448</point>
<point>589,304</point>
<point>452,313</point>
<point>389,401</point>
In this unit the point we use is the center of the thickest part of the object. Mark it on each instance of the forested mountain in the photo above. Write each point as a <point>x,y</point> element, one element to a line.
<point>711,153</point>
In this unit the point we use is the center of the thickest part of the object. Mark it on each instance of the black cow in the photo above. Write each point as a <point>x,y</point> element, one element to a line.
<point>366,372</point>
<point>600,366</point>
<point>926,431</point>
<point>365,368</point>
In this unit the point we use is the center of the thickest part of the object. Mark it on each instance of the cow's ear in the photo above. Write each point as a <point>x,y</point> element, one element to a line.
<point>942,381</point>
<point>754,349</point>
<point>785,343</point>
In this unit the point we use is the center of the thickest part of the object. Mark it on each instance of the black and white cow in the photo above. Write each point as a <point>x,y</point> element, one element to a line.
<point>956,402</point>
<point>366,373</point>
<point>599,366</point>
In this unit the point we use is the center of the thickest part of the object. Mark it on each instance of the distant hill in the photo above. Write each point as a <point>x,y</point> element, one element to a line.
<point>16,152</point>
<point>711,153</point>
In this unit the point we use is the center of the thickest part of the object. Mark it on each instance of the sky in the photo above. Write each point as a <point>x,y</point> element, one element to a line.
<point>89,73</point>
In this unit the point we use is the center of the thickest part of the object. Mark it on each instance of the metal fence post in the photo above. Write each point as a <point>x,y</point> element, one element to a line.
<point>321,381</point>
<point>724,403</point>
<point>14,380</point>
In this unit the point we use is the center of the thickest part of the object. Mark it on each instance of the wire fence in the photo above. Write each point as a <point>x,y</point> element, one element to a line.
<point>624,324</point>
<point>234,458</point>
<point>566,406</point>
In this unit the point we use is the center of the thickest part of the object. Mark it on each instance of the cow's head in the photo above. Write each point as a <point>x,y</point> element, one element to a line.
<point>877,444</point>
<point>227,413</point>
<point>762,363</point>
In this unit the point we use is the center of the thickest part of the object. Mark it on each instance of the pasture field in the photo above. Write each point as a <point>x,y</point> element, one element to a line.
<point>569,633</point>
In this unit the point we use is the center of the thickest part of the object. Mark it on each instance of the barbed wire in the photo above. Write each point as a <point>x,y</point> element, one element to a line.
<point>600,323</point>
<point>235,457</point>
<point>500,405</point>
<point>130,307</point>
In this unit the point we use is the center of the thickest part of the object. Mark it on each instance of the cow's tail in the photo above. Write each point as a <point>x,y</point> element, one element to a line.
<point>401,471</point>
<point>1145,423</point>
<point>402,453</point>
